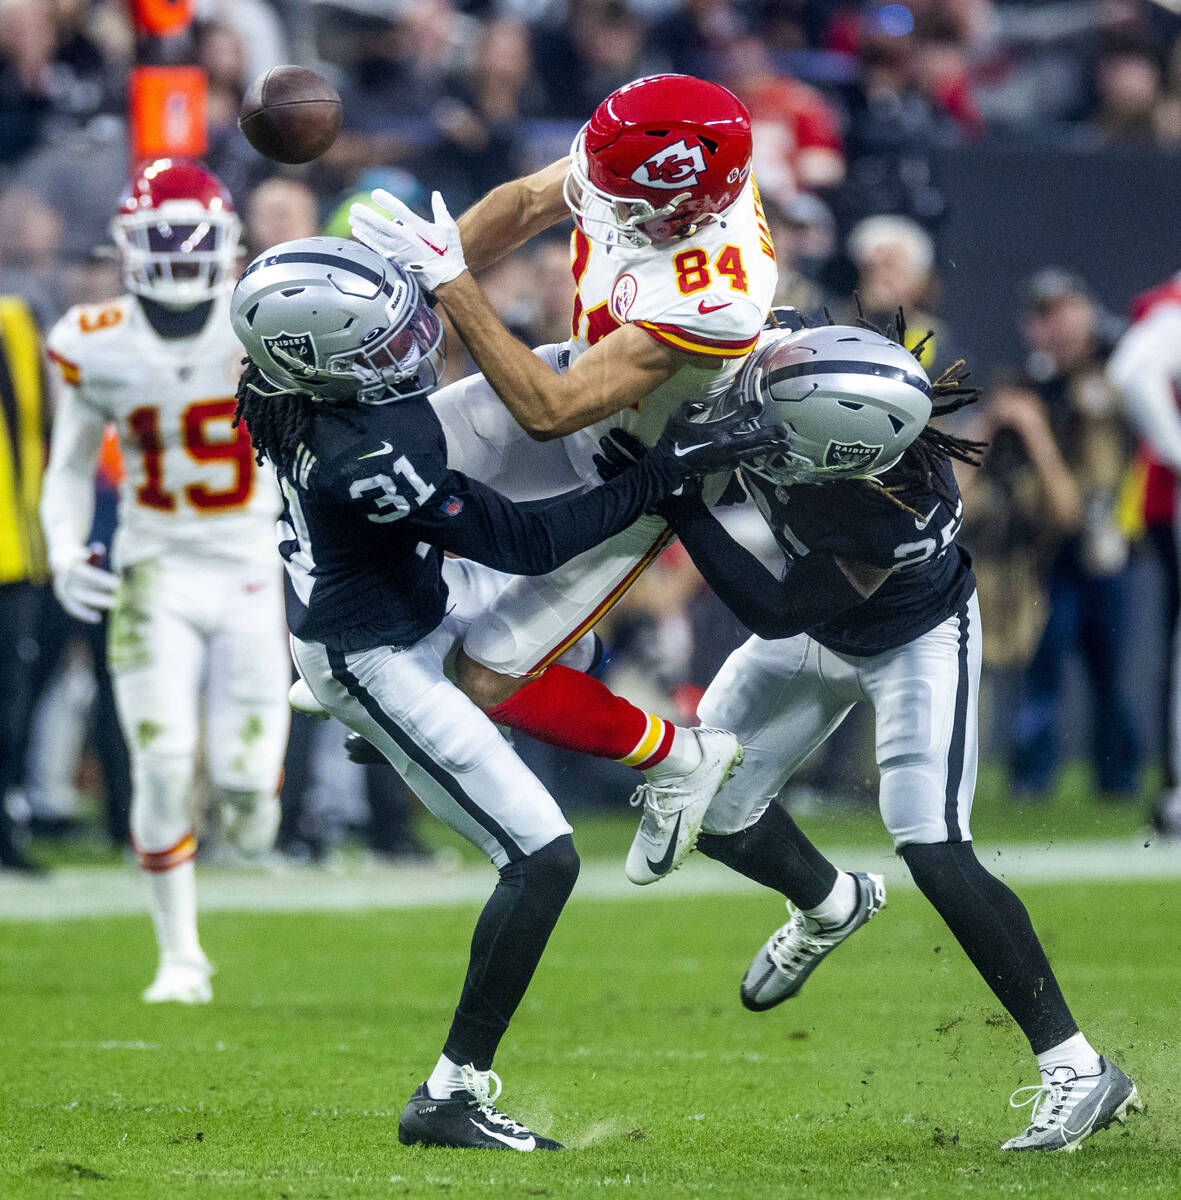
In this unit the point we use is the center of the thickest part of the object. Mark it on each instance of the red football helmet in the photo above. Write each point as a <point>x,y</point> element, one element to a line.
<point>177,233</point>
<point>663,154</point>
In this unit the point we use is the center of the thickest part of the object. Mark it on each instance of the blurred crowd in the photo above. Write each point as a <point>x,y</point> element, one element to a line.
<point>850,101</point>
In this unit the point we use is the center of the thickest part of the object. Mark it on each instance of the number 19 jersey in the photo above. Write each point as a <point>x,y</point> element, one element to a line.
<point>190,480</point>
<point>707,295</point>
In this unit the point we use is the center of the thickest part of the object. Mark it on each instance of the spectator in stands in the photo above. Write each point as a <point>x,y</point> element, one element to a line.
<point>797,145</point>
<point>601,46</point>
<point>895,261</point>
<point>477,126</point>
<point>27,43</point>
<point>1087,579</point>
<point>692,38</point>
<point>1131,102</point>
<point>280,210</point>
<point>803,231</point>
<point>1018,507</point>
<point>30,253</point>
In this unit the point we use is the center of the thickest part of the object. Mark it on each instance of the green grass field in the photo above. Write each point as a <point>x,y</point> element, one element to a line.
<point>889,1076</point>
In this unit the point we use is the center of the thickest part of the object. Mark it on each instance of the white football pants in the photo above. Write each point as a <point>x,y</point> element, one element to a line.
<point>447,750</point>
<point>536,619</point>
<point>782,699</point>
<point>189,634</point>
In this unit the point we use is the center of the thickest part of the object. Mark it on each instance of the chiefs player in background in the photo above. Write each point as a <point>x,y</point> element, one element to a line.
<point>675,273</point>
<point>193,587</point>
<point>1146,369</point>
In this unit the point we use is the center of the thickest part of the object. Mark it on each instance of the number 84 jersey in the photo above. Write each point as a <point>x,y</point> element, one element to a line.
<point>190,480</point>
<point>854,520</point>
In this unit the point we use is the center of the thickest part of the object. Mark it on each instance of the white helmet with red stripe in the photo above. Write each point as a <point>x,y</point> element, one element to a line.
<point>664,154</point>
<point>177,234</point>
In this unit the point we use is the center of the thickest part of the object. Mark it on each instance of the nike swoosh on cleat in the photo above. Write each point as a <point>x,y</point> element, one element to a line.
<point>661,867</point>
<point>529,1143</point>
<point>681,451</point>
<point>1082,1133</point>
<point>704,308</point>
<point>385,448</point>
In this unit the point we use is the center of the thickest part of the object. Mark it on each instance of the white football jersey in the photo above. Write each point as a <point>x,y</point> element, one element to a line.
<point>190,480</point>
<point>707,294</point>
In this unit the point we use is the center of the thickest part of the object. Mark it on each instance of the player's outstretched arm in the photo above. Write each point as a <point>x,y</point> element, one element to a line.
<point>612,375</point>
<point>814,588</point>
<point>509,215</point>
<point>531,539</point>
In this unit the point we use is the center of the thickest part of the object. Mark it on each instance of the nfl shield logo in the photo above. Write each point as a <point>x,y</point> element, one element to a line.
<point>293,351</point>
<point>853,456</point>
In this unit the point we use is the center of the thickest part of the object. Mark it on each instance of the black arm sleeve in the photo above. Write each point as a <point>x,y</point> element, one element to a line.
<point>813,589</point>
<point>532,539</point>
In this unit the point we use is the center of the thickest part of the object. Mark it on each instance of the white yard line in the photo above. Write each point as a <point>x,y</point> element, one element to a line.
<point>107,891</point>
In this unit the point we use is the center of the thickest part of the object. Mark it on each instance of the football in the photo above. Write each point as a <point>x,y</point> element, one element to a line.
<point>290,114</point>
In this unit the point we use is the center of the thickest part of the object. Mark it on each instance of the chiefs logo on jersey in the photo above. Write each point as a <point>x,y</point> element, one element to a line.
<point>623,296</point>
<point>677,166</point>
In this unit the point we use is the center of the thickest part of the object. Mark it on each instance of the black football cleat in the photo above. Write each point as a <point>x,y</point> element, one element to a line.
<point>468,1121</point>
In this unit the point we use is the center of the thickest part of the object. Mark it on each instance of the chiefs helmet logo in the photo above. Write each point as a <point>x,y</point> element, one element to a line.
<point>676,166</point>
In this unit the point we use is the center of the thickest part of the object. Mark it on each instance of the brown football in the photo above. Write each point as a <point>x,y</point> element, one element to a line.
<point>290,114</point>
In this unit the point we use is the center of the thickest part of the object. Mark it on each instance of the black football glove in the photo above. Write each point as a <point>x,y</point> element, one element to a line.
<point>695,446</point>
<point>618,451</point>
<point>783,316</point>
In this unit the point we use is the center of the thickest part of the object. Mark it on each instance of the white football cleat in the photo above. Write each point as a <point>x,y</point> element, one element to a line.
<point>1072,1107</point>
<point>181,983</point>
<point>301,700</point>
<point>675,807</point>
<point>796,949</point>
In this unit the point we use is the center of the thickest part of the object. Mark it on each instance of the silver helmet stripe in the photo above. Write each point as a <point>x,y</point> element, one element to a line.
<point>846,367</point>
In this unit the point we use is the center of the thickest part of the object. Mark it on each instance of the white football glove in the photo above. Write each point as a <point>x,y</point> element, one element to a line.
<point>432,251</point>
<point>83,590</point>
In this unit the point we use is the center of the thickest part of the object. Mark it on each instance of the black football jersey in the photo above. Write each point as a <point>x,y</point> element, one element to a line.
<point>931,574</point>
<point>370,505</point>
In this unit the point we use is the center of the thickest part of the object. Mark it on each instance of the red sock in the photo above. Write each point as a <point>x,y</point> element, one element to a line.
<point>569,709</point>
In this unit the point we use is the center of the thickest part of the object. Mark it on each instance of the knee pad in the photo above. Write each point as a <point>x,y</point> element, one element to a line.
<point>159,801</point>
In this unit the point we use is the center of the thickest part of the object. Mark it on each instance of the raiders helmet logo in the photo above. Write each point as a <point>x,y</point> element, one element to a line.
<point>295,351</point>
<point>851,455</point>
<point>672,167</point>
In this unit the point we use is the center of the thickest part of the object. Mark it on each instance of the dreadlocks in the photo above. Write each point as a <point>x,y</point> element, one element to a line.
<point>915,471</point>
<point>277,420</point>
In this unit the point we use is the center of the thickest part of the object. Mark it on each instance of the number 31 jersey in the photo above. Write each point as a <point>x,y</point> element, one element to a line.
<point>707,295</point>
<point>190,480</point>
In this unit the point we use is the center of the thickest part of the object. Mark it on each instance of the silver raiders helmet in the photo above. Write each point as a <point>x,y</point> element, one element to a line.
<point>333,319</point>
<point>851,400</point>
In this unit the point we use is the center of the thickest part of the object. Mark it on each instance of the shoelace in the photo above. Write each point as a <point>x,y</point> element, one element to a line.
<point>650,796</point>
<point>486,1087</point>
<point>1048,1100</point>
<point>793,943</point>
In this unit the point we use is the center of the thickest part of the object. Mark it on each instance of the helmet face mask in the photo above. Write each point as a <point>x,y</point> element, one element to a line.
<point>335,321</point>
<point>659,157</point>
<point>851,400</point>
<point>177,234</point>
